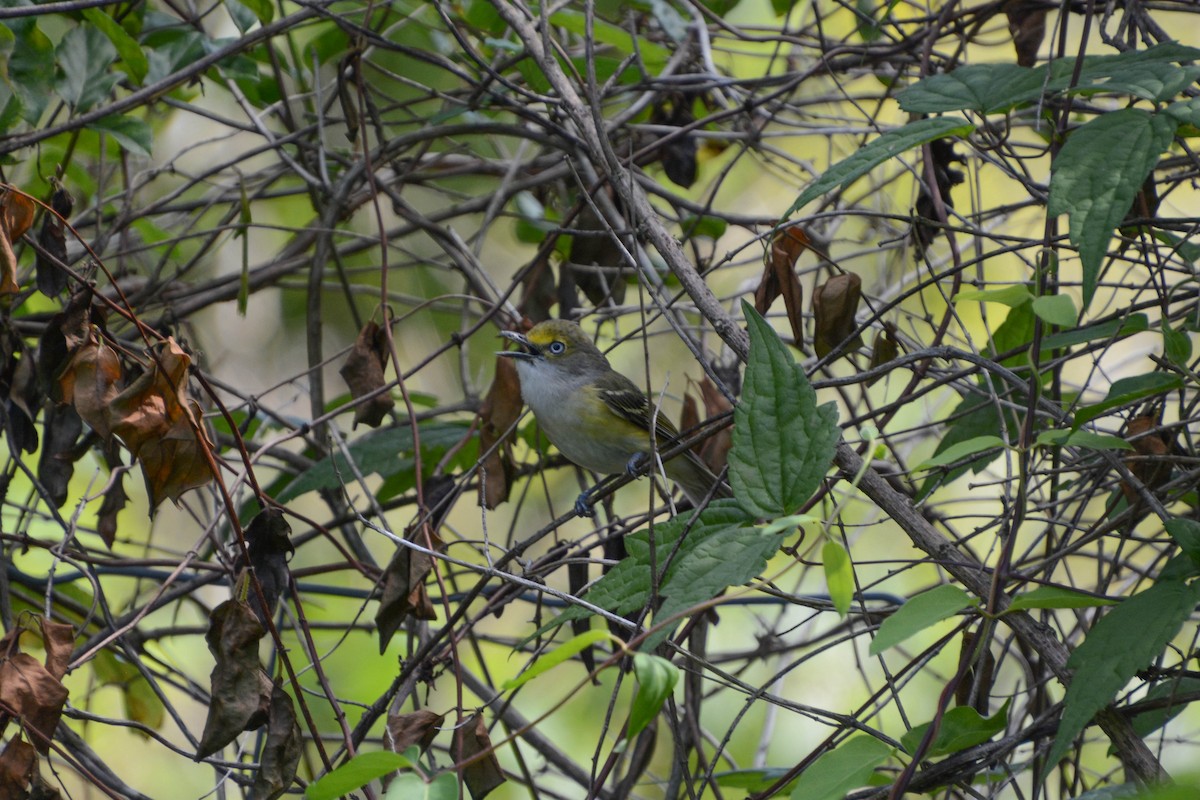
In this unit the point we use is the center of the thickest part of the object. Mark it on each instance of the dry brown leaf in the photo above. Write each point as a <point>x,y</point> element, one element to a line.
<point>114,496</point>
<point>36,697</point>
<point>1150,462</point>
<point>498,414</point>
<point>485,774</point>
<point>417,727</point>
<point>18,766</point>
<point>403,593</point>
<point>65,332</point>
<point>780,278</point>
<point>282,750</point>
<point>978,676</point>
<point>363,373</point>
<point>241,690</point>
<point>834,305</point>
<point>51,279</point>
<point>268,538</point>
<point>884,350</point>
<point>158,422</point>
<point>16,217</point>
<point>62,428</point>
<point>91,380</point>
<point>58,639</point>
<point>594,264</point>
<point>715,450</point>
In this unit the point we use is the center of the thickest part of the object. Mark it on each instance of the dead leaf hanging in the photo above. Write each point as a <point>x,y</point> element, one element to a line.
<point>241,690</point>
<point>403,593</point>
<point>52,280</point>
<point>282,750</point>
<point>834,304</point>
<point>780,278</point>
<point>499,413</point>
<point>158,422</point>
<point>268,538</point>
<point>484,774</point>
<point>16,217</point>
<point>417,727</point>
<point>91,380</point>
<point>363,373</point>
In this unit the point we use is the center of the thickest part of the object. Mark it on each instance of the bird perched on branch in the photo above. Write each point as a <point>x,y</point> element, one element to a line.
<point>596,416</point>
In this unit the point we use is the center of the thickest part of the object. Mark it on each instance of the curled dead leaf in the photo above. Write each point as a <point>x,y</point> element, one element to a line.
<point>471,741</point>
<point>884,350</point>
<point>417,727</point>
<point>91,380</point>
<point>1027,26</point>
<point>1150,461</point>
<point>34,696</point>
<point>16,217</point>
<point>18,767</point>
<point>499,413</point>
<point>240,689</point>
<point>834,305</point>
<point>52,280</point>
<point>780,278</point>
<point>268,538</point>
<point>281,751</point>
<point>363,373</point>
<point>403,593</point>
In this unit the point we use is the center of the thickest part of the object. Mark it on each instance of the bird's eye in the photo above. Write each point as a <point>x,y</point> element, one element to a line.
<point>557,348</point>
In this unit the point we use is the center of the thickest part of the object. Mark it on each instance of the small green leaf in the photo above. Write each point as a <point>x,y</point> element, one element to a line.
<point>1057,309</point>
<point>1125,640</point>
<point>1186,533</point>
<point>1056,597</point>
<point>1177,345</point>
<point>355,774</point>
<point>411,786</point>
<point>84,56</point>
<point>839,575</point>
<point>31,67</point>
<point>1097,175</point>
<point>128,49</point>
<point>879,150</point>
<point>261,8</point>
<point>656,679</point>
<point>783,443</point>
<point>847,767</point>
<point>754,780</point>
<point>961,727</point>
<point>919,613</point>
<point>961,450</point>
<point>1081,438</point>
<point>1129,390</point>
<point>1113,329</point>
<point>1148,722</point>
<point>548,661</point>
<point>129,132</point>
<point>1011,296</point>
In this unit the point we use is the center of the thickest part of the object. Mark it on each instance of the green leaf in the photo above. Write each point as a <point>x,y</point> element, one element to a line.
<point>129,132</point>
<point>783,443</point>
<point>754,780</point>
<point>1113,329</point>
<point>985,88</point>
<point>1056,597</point>
<point>1186,533</point>
<point>84,56</point>
<point>1096,176</point>
<point>842,769</point>
<point>548,661</point>
<point>961,450</point>
<point>1057,309</point>
<point>1081,438</point>
<point>355,774</point>
<point>1148,722</point>
<point>1124,641</point>
<point>31,67</point>
<point>781,7</point>
<point>879,150</point>
<point>1011,296</point>
<point>919,613</point>
<point>656,678</point>
<point>1177,345</point>
<point>1156,82</point>
<point>262,9</point>
<point>961,727</point>
<point>127,47</point>
<point>839,575</point>
<point>1186,112</point>
<point>411,786</point>
<point>1129,390</point>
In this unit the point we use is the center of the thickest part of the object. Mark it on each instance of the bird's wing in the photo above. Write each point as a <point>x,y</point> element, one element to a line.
<point>632,404</point>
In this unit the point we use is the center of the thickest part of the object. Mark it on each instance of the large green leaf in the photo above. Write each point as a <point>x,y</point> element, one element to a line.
<point>1098,173</point>
<point>355,774</point>
<point>128,49</point>
<point>985,88</point>
<point>837,772</point>
<point>131,133</point>
<point>1124,641</point>
<point>928,608</point>
<point>1129,390</point>
<point>84,57</point>
<point>31,67</point>
<point>879,150</point>
<point>783,443</point>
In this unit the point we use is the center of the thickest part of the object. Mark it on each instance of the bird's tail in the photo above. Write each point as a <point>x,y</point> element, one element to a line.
<point>695,479</point>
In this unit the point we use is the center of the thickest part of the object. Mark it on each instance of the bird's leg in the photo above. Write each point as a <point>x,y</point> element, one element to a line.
<point>583,504</point>
<point>636,462</point>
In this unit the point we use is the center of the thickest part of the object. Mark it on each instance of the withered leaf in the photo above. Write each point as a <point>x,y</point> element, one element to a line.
<point>64,333</point>
<point>714,451</point>
<point>29,690</point>
<point>16,217</point>
<point>834,305</point>
<point>780,278</point>
<point>417,727</point>
<point>114,496</point>
<point>539,291</point>
<point>18,765</point>
<point>976,685</point>
<point>497,416</point>
<point>282,750</point>
<point>51,279</point>
<point>942,155</point>
<point>241,690</point>
<point>594,264</point>
<point>157,421</point>
<point>884,350</point>
<point>91,380</point>
<point>56,464</point>
<point>268,538</point>
<point>403,593</point>
<point>24,400</point>
<point>1027,26</point>
<point>483,775</point>
<point>58,639</point>
<point>363,373</point>
<point>678,154</point>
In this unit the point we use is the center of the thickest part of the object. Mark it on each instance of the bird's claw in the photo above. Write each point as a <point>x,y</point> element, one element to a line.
<point>634,467</point>
<point>583,505</point>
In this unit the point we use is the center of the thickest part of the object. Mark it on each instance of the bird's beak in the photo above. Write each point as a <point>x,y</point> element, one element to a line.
<point>528,349</point>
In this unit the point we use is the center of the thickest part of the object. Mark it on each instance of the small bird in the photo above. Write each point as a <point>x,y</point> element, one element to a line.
<point>596,416</point>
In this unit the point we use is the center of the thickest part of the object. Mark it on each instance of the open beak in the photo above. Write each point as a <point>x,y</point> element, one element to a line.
<point>528,349</point>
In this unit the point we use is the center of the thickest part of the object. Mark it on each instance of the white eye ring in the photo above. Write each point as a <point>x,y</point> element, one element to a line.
<point>557,348</point>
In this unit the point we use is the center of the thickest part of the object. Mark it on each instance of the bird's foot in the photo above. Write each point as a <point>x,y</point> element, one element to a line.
<point>636,462</point>
<point>583,505</point>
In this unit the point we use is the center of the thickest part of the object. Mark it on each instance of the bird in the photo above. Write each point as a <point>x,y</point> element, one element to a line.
<point>598,418</point>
